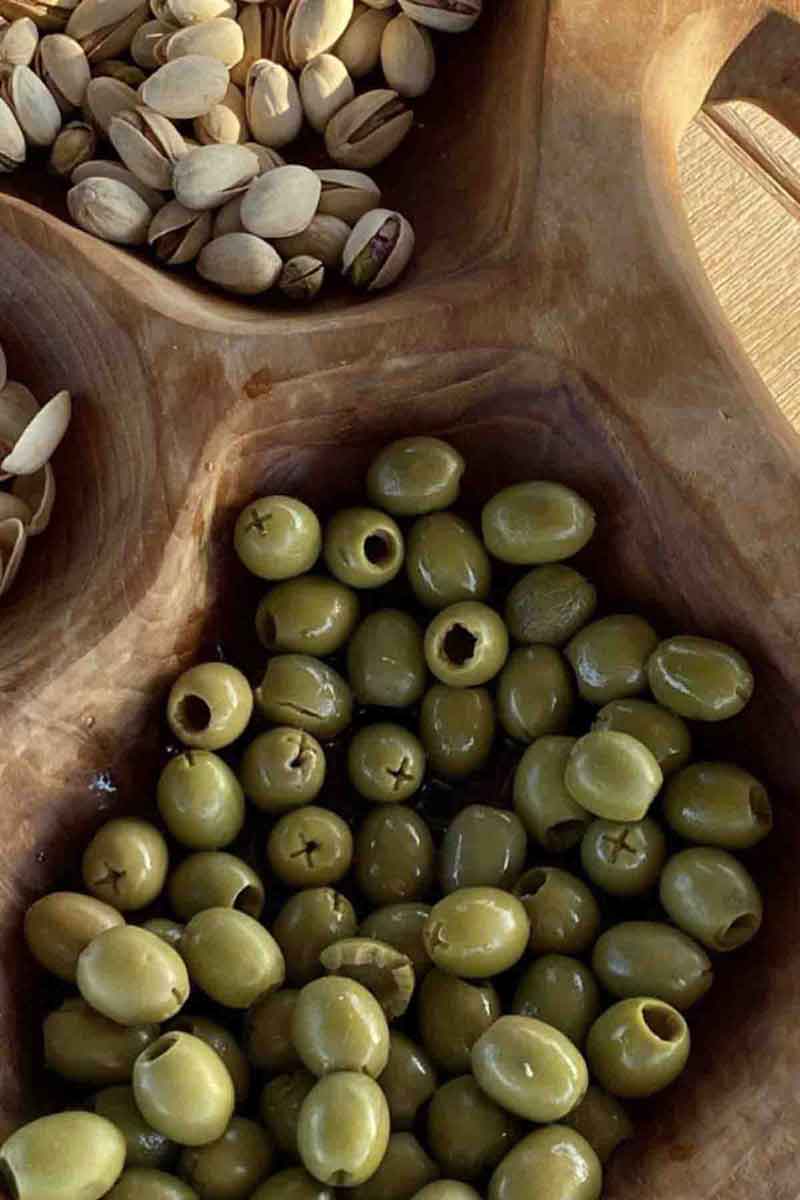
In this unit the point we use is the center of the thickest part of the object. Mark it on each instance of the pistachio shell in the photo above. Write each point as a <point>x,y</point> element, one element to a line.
<point>359,47</point>
<point>161,11</point>
<point>36,111</point>
<point>148,144</point>
<point>187,87</point>
<point>110,210</point>
<point>302,277</point>
<point>325,87</point>
<point>240,262</point>
<point>226,122</point>
<point>268,158</point>
<point>64,67</point>
<point>146,42</point>
<point>378,249</point>
<point>380,3</point>
<point>125,72</point>
<point>368,129</point>
<point>194,12</point>
<point>18,407</point>
<point>221,38</point>
<point>324,238</point>
<point>104,99</point>
<point>211,175</point>
<point>178,234</point>
<point>12,140</point>
<point>408,59</point>
<point>13,539</point>
<point>38,441</point>
<point>38,493</point>
<point>75,144</point>
<point>48,17</point>
<point>312,27</point>
<point>99,168</point>
<point>281,202</point>
<point>274,111</point>
<point>14,506</point>
<point>450,16</point>
<point>262,28</point>
<point>105,27</point>
<point>228,219</point>
<point>347,194</point>
<point>18,42</point>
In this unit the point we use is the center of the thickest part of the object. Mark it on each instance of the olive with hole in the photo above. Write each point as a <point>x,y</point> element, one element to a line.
<point>307,923</point>
<point>415,475</point>
<point>62,1156</point>
<point>718,804</point>
<point>233,1166</point>
<point>386,660</point>
<point>549,604</point>
<point>277,537</point>
<point>310,847</point>
<point>338,1025</point>
<point>404,1169</point>
<point>279,1107</point>
<point>541,800</point>
<point>363,547</point>
<point>384,971</point>
<point>609,657</point>
<point>132,977</point>
<point>452,1014</point>
<point>477,932</point>
<point>538,522</point>
<point>446,562</point>
<point>700,679</point>
<point>602,1120</point>
<point>535,693</point>
<point>223,1042</point>
<point>125,864</point>
<point>343,1153</point>
<point>482,847</point>
<point>649,958</point>
<point>282,768</point>
<point>530,1068</point>
<point>401,925</point>
<point>268,1032</point>
<point>200,800</point>
<point>562,992</point>
<point>466,644</point>
<point>612,775</point>
<point>637,1047</point>
<point>294,1183</point>
<point>144,1146</point>
<point>394,855</point>
<point>624,858</point>
<point>408,1080</point>
<point>165,928</point>
<point>711,896</point>
<point>209,706</point>
<point>308,615</point>
<point>214,879</point>
<point>457,727</point>
<point>562,1162</point>
<point>85,1047</point>
<point>300,690</point>
<point>183,1089</point>
<point>148,1183</point>
<point>59,926</point>
<point>232,957</point>
<point>563,913</point>
<point>665,734</point>
<point>467,1132</point>
<point>386,763</point>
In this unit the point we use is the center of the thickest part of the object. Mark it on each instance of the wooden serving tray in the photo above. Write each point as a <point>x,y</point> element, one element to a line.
<point>556,323</point>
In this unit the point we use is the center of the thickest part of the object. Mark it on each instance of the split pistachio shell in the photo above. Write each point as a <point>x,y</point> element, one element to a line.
<point>75,144</point>
<point>110,210</point>
<point>12,140</point>
<point>195,12</point>
<point>38,493</point>
<point>347,194</point>
<point>408,59</point>
<point>178,234</point>
<point>312,27</point>
<point>125,72</point>
<point>48,16</point>
<point>186,87</point>
<point>450,16</point>
<point>64,68</point>
<point>302,277</point>
<point>13,539</point>
<point>368,129</point>
<point>325,87</point>
<point>268,158</point>
<point>221,38</point>
<point>274,111</point>
<point>18,407</point>
<point>39,440</point>
<point>105,28</point>
<point>104,99</point>
<point>226,122</point>
<point>359,47</point>
<point>378,250</point>
<point>148,144</point>
<point>12,506</point>
<point>18,42</point>
<point>105,169</point>
<point>262,29</point>
<point>323,239</point>
<point>145,47</point>
<point>240,262</point>
<point>210,175</point>
<point>228,219</point>
<point>36,111</point>
<point>282,202</point>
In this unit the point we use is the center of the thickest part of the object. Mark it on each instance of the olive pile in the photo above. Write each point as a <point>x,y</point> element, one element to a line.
<point>436,1011</point>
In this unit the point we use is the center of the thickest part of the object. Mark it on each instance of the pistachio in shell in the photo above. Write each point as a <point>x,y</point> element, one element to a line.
<point>18,42</point>
<point>13,540</point>
<point>378,250</point>
<point>63,66</point>
<point>178,234</point>
<point>12,140</point>
<point>147,45</point>
<point>240,262</point>
<point>268,158</point>
<point>187,87</point>
<point>323,238</point>
<point>262,28</point>
<point>382,969</point>
<point>124,72</point>
<point>196,12</point>
<point>228,219</point>
<point>36,111</point>
<point>105,28</point>
<point>111,210</point>
<point>282,202</point>
<point>449,16</point>
<point>325,87</point>
<point>211,175</point>
<point>347,194</point>
<point>148,144</point>
<point>101,168</point>
<point>302,277</point>
<point>221,38</point>
<point>38,493</point>
<point>39,439</point>
<point>75,144</point>
<point>359,47</point>
<point>104,99</point>
<point>408,59</point>
<point>368,129</point>
<point>313,26</point>
<point>274,111</point>
<point>226,122</point>
<point>49,16</point>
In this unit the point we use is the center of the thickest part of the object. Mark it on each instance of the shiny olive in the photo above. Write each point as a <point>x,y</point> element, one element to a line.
<point>132,977</point>
<point>401,926</point>
<point>200,800</point>
<point>477,932</point>
<point>214,879</point>
<point>404,1169</point>
<point>612,775</point>
<point>384,971</point>
<point>148,1183</point>
<point>307,923</point>
<point>394,855</point>
<point>483,847</point>
<point>446,562</point>
<point>609,657</point>
<point>310,847</point>
<point>305,692</point>
<point>408,1080</point>
<point>66,1155</point>
<point>386,660</point>
<point>282,768</point>
<point>560,991</point>
<point>232,957</point>
<point>562,1162</point>
<point>530,1068</point>
<point>338,1025</point>
<point>542,802</point>
<point>467,1132</point>
<point>309,615</point>
<point>535,693</point>
<point>624,858</point>
<point>648,958</point>
<point>294,1183</point>
<point>712,897</point>
<point>536,522</point>
<point>277,537</point>
<point>231,1167</point>
<point>466,644</point>
<point>700,679</point>
<point>447,1189</point>
<point>144,1146</point>
<point>637,1047</point>
<point>363,547</point>
<point>452,1014</point>
<point>209,705</point>
<point>718,804</point>
<point>386,763</point>
<point>183,1089</point>
<point>415,475</point>
<point>125,864</point>
<point>268,1032</point>
<point>84,1047</point>
<point>457,729</point>
<point>562,911</point>
<point>337,1151</point>
<point>280,1104</point>
<point>602,1120</point>
<point>224,1043</point>
<point>665,734</point>
<point>168,930</point>
<point>549,604</point>
<point>59,926</point>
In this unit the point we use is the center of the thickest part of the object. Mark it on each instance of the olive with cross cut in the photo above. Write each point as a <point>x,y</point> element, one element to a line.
<point>310,847</point>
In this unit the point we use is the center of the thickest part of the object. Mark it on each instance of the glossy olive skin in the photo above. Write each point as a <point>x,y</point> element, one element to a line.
<point>542,802</point>
<point>467,1132</point>
<point>337,1152</point>
<point>466,644</point>
<point>132,977</point>
<point>125,864</point>
<point>477,932</point>
<point>386,763</point>
<point>408,1080</point>
<point>648,958</point>
<point>64,1155</point>
<point>665,734</point>
<point>562,1162</point>
<point>549,604</point>
<point>309,615</point>
<point>294,1183</point>
<point>307,923</point>
<point>624,858</point>
<point>183,1089</point>
<point>602,1120</point>
<point>609,657</point>
<point>209,706</point>
<point>530,1068</point>
<point>401,926</point>
<point>394,855</point>
<point>168,930</point>
<point>363,547</point>
<point>200,800</point>
<point>537,522</point>
<point>232,957</point>
<point>84,1047</point>
<point>446,562</point>
<point>231,1167</point>
<point>535,693</point>
<point>700,679</point>
<point>277,537</point>
<point>415,475</point>
<point>612,775</point>
<point>637,1047</point>
<point>718,804</point>
<point>223,1042</point>
<point>144,1146</point>
<point>384,971</point>
<point>59,926</point>
<point>280,1104</point>
<point>282,768</point>
<point>447,1189</point>
<point>712,897</point>
<point>457,727</point>
<point>300,690</point>
<point>452,1014</point>
<point>148,1183</point>
<point>338,1025</point>
<point>386,660</point>
<point>562,992</point>
<point>405,1169</point>
<point>483,847</point>
<point>268,1032</point>
<point>562,911</point>
<point>310,847</point>
<point>214,879</point>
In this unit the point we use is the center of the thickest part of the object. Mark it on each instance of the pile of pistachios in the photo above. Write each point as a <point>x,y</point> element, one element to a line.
<point>193,100</point>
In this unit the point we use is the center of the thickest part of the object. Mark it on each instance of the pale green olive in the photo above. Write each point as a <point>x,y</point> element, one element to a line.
<point>446,562</point>
<point>223,1042</point>
<point>542,802</point>
<point>549,604</point>
<point>363,547</point>
<point>637,1047</point>
<point>612,775</point>
<point>408,1080</point>
<point>310,847</point>
<point>343,1153</point>
<point>200,800</point>
<point>132,977</point>
<point>59,926</point>
<point>452,1014</point>
<point>386,763</point>
<point>457,727</point>
<point>232,957</point>
<point>125,863</point>
<point>209,706</point>
<point>468,1133</point>
<point>300,690</point>
<point>466,644</point>
<point>665,734</point>
<point>277,537</point>
<point>482,847</point>
<point>530,1068</point>
<point>477,932</point>
<point>562,911</point>
<point>562,992</point>
<point>231,1167</point>
<point>144,1146</point>
<point>283,768</point>
<point>308,615</point>
<point>624,858</point>
<point>712,897</point>
<point>61,1157</point>
<point>562,1162</point>
<point>535,693</point>
<point>536,522</point>
<point>415,475</point>
<point>718,804</point>
<point>648,958</point>
<point>84,1047</point>
<point>609,657</point>
<point>183,1089</point>
<point>214,879</point>
<point>338,1025</point>
<point>386,660</point>
<point>700,679</point>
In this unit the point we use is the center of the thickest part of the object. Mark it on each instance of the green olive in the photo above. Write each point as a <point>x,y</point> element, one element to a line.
<point>452,1014</point>
<point>214,879</point>
<point>66,1155</point>
<point>224,1043</point>
<point>307,923</point>
<point>612,775</point>
<point>562,911</point>
<point>132,977</point>
<point>483,847</point>
<point>408,1080</point>
<point>457,729</point>
<point>700,679</point>
<point>277,537</point>
<point>560,991</point>
<point>415,475</point>
<point>84,1047</point>
<point>386,660</point>
<point>404,1169</point>
<point>310,847</point>
<point>718,804</point>
<point>268,1032</point>
<point>624,858</point>
<point>609,657</point>
<point>59,926</point>
<point>280,1104</point>
<point>447,1189</point>
<point>549,605</point>
<point>542,802</point>
<point>535,693</point>
<point>305,692</point>
<point>343,1153</point>
<point>125,864</point>
<point>466,644</point>
<point>445,562</point>
<point>183,1089</point>
<point>294,1183</point>
<point>309,615</point>
<point>386,763</point>
<point>363,547</point>
<point>383,971</point>
<point>712,897</point>
<point>536,522</point>
<point>144,1146</point>
<point>231,1167</point>
<point>165,928</point>
<point>637,1047</point>
<point>282,768</point>
<point>401,926</point>
<point>562,1162</point>
<point>477,932</point>
<point>468,1133</point>
<point>200,800</point>
<point>148,1183</point>
<point>232,957</point>
<point>602,1120</point>
<point>394,855</point>
<point>647,958</point>
<point>338,1025</point>
<point>665,734</point>
<point>530,1068</point>
<point>209,706</point>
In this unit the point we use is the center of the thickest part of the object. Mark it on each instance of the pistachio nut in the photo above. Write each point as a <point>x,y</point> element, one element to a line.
<point>38,493</point>
<point>36,111</point>
<point>211,175</point>
<point>12,140</point>
<point>194,12</point>
<point>221,38</point>
<point>347,194</point>
<point>104,99</point>
<point>225,122</point>
<point>148,144</point>
<point>13,539</point>
<point>312,26</point>
<point>378,250</point>
<point>160,10</point>
<point>359,47</point>
<point>39,439</point>
<point>49,16</point>
<point>302,277</point>
<point>63,66</point>
<point>450,16</point>
<point>240,262</point>
<point>105,28</point>
<point>18,42</point>
<point>186,87</point>
<point>99,168</point>
<point>282,202</point>
<point>274,111</point>
<point>268,158</point>
<point>178,234</point>
<point>147,42</point>
<point>75,144</point>
<point>325,87</point>
<point>368,129</point>
<point>110,210</point>
<point>228,219</point>
<point>408,59</point>
<point>324,238</point>
<point>262,28</point>
<point>125,72</point>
